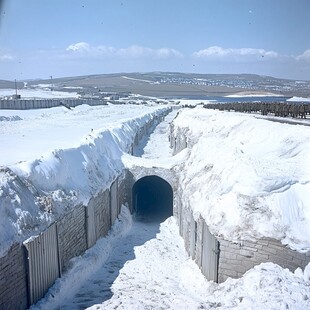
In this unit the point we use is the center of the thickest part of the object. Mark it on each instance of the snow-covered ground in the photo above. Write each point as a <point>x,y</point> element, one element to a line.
<point>53,159</point>
<point>253,94</point>
<point>298,99</point>
<point>145,266</point>
<point>43,93</point>
<point>28,134</point>
<point>248,178</point>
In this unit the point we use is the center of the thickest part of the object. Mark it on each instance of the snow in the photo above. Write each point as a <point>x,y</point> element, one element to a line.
<point>145,266</point>
<point>298,99</point>
<point>248,178</point>
<point>139,80</point>
<point>253,94</point>
<point>59,128</point>
<point>43,93</point>
<point>53,159</point>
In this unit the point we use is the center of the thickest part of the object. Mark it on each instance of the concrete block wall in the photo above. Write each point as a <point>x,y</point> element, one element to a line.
<point>237,258</point>
<point>125,184</point>
<point>25,104</point>
<point>13,279</point>
<point>102,213</point>
<point>71,235</point>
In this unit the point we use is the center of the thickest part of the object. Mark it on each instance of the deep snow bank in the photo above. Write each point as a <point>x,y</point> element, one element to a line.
<point>249,178</point>
<point>35,192</point>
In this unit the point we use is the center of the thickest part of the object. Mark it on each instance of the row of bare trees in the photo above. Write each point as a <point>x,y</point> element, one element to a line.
<point>283,109</point>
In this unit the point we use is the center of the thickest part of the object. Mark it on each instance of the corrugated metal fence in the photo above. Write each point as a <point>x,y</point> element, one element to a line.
<point>210,253</point>
<point>113,202</point>
<point>202,246</point>
<point>43,263</point>
<point>48,252</point>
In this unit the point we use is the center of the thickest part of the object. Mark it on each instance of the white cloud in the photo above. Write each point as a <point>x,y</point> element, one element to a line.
<point>235,53</point>
<point>81,46</point>
<point>134,51</point>
<point>304,56</point>
<point>6,57</point>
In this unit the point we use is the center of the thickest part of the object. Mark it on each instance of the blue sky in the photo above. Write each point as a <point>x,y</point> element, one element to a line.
<point>39,38</point>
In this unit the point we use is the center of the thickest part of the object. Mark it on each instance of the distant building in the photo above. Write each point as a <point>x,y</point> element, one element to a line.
<point>16,96</point>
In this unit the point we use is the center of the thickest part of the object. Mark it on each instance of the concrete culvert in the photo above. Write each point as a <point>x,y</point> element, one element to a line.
<point>152,199</point>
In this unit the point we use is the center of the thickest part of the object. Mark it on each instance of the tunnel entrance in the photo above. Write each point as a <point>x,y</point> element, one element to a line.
<point>152,199</point>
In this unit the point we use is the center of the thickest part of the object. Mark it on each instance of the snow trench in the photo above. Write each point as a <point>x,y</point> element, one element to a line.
<point>35,193</point>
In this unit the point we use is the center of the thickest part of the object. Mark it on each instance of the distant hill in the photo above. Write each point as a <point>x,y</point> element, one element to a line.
<point>10,84</point>
<point>165,84</point>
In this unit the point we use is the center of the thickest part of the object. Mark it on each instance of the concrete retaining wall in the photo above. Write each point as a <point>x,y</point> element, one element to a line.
<point>26,104</point>
<point>102,214</point>
<point>236,258</point>
<point>233,259</point>
<point>71,235</point>
<point>13,279</point>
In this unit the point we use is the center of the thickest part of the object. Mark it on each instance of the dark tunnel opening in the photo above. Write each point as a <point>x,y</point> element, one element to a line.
<point>152,199</point>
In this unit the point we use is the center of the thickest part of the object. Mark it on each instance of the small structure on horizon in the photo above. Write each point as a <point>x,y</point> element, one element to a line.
<point>16,95</point>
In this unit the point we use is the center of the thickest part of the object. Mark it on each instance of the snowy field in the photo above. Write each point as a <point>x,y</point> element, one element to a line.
<point>43,92</point>
<point>28,134</point>
<point>247,177</point>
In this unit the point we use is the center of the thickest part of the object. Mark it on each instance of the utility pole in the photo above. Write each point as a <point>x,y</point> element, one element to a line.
<point>15,88</point>
<point>51,82</point>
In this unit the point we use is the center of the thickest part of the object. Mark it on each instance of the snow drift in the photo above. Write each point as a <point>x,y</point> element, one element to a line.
<point>36,191</point>
<point>248,178</point>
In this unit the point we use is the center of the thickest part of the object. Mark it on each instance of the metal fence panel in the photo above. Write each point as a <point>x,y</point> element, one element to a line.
<point>43,264</point>
<point>113,202</point>
<point>210,251</point>
<point>193,236</point>
<point>91,225</point>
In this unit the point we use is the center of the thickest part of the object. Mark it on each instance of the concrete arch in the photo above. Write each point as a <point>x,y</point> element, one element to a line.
<point>152,198</point>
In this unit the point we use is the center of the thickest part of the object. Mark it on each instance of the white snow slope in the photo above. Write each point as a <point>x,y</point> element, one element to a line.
<point>247,177</point>
<point>53,159</point>
<point>44,93</point>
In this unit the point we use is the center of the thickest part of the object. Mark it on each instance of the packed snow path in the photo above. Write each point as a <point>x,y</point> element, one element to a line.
<point>157,144</point>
